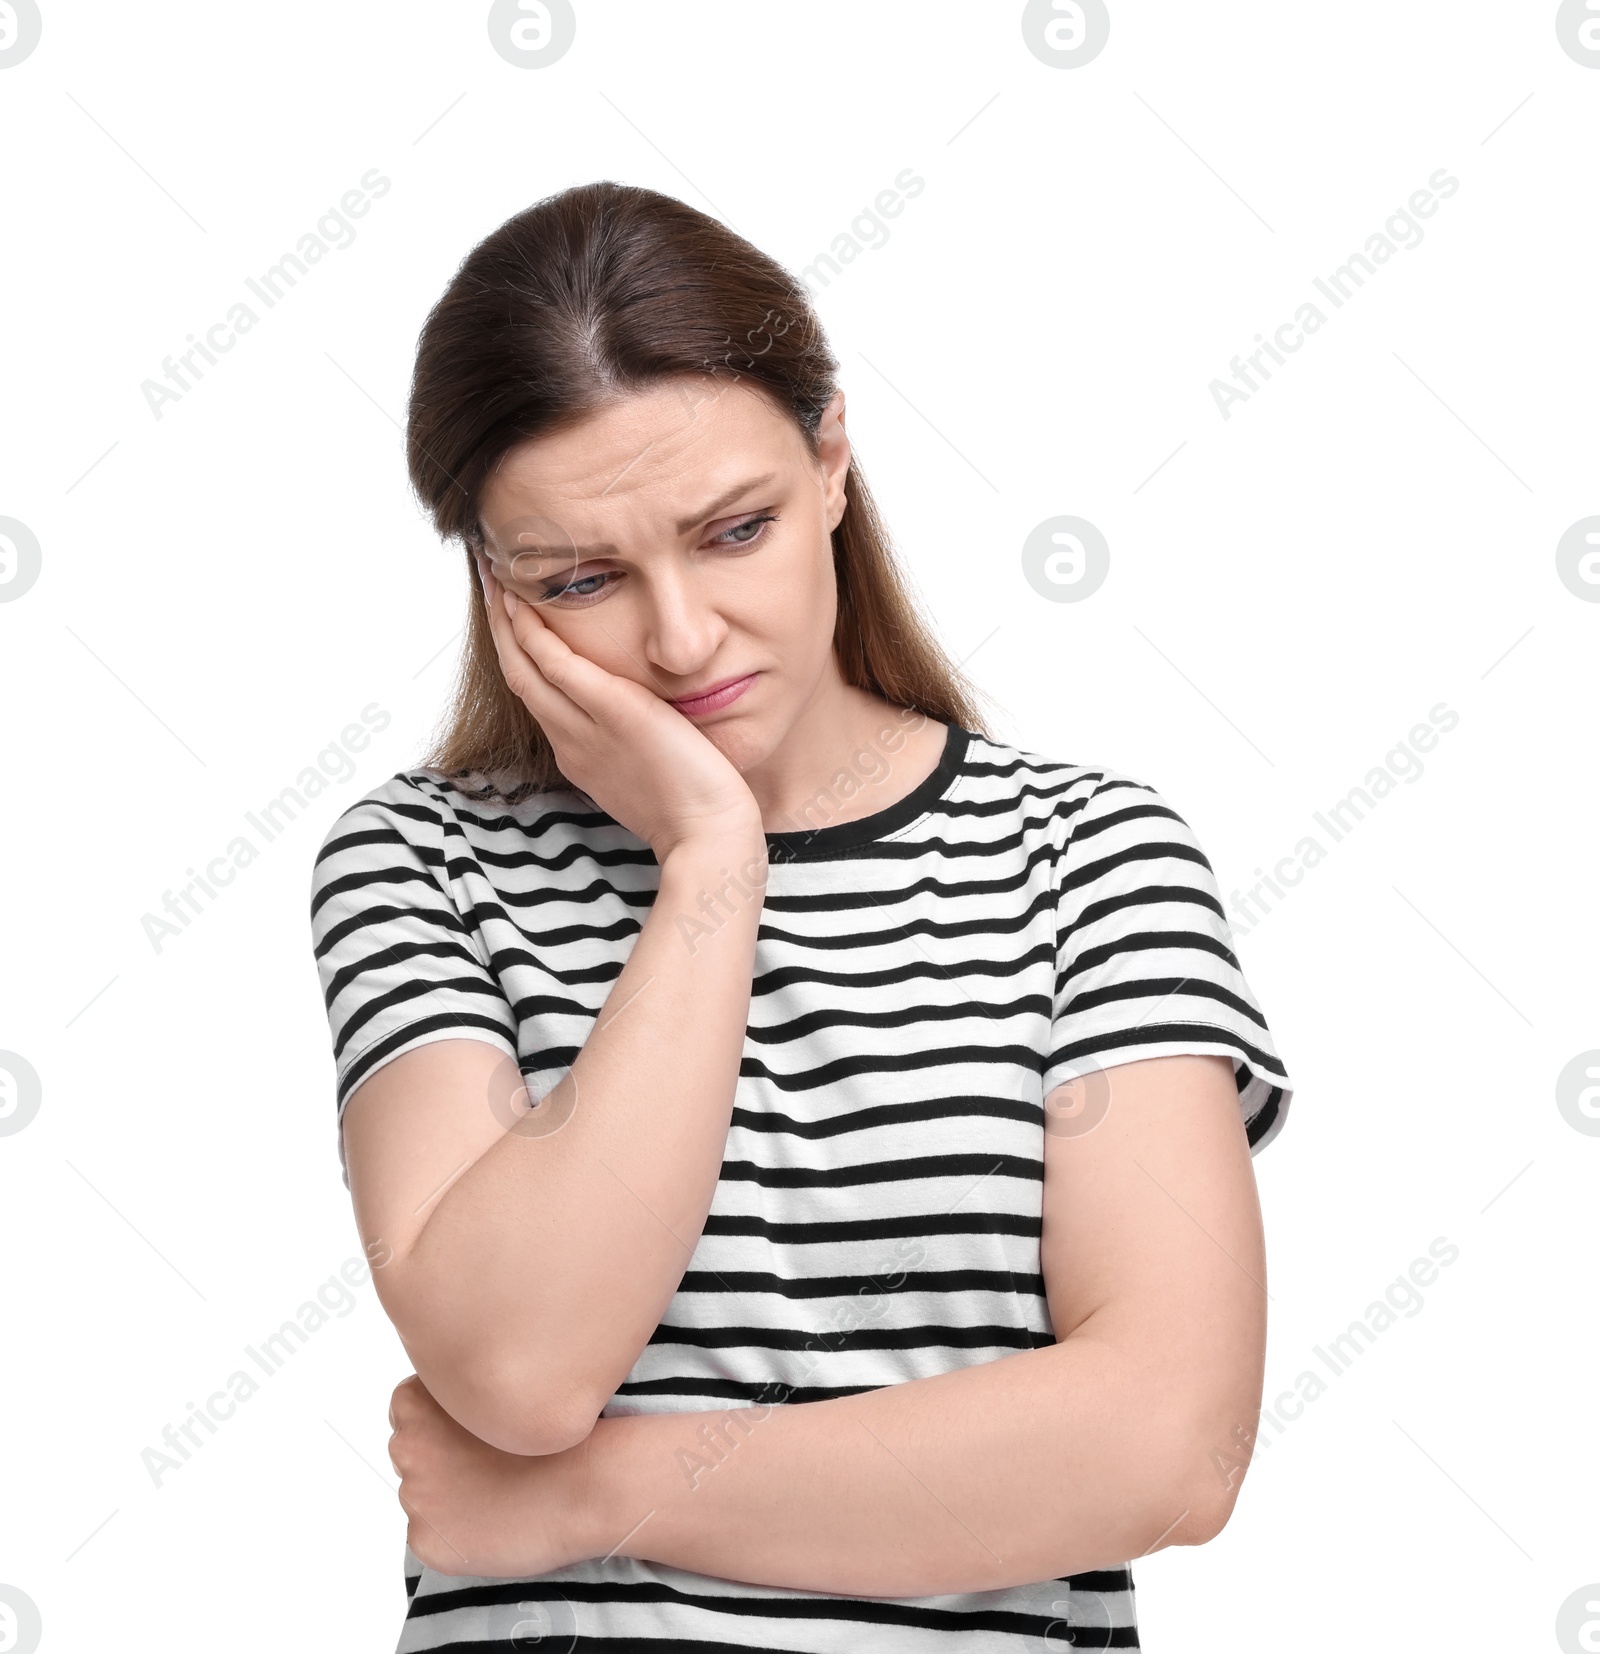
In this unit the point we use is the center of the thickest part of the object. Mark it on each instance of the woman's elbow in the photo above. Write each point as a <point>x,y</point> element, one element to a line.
<point>512,1409</point>
<point>1207,1500</point>
<point>1198,1486</point>
<point>531,1433</point>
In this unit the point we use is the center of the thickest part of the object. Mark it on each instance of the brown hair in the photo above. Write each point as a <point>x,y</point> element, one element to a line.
<point>591,294</point>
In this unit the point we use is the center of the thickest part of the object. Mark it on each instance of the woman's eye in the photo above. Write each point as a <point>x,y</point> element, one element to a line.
<point>757,523</point>
<point>576,593</point>
<point>585,587</point>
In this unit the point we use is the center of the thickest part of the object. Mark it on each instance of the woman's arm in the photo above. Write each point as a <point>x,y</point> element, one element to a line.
<point>1032,1467</point>
<point>1122,1438</point>
<point>1040,1464</point>
<point>531,1252</point>
<point>531,1258</point>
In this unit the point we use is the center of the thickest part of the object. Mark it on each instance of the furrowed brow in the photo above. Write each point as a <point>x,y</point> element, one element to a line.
<point>683,524</point>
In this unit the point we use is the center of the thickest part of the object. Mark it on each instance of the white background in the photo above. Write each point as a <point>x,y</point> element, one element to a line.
<point>1291,589</point>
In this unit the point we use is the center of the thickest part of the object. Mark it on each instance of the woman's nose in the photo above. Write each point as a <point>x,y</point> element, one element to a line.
<point>683,627</point>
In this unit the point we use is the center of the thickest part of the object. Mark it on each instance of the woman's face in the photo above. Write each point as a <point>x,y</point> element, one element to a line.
<point>681,538</point>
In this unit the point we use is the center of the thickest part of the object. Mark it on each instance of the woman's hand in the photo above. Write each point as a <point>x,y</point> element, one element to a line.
<point>632,752</point>
<point>477,1510</point>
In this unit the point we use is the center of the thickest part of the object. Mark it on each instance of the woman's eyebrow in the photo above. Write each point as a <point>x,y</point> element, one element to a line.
<point>683,525</point>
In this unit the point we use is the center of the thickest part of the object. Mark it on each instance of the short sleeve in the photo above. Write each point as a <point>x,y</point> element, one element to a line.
<point>1145,965</point>
<point>399,964</point>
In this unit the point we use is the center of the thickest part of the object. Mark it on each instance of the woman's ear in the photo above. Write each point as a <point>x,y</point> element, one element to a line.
<point>833,454</point>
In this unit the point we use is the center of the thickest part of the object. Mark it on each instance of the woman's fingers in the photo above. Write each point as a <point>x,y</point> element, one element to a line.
<point>519,665</point>
<point>556,661</point>
<point>586,687</point>
<point>586,711</point>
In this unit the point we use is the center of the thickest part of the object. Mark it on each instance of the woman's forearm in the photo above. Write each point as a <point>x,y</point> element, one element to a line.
<point>550,1261</point>
<point>1028,1468</point>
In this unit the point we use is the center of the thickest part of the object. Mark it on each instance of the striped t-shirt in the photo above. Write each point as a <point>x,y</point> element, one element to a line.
<point>923,977</point>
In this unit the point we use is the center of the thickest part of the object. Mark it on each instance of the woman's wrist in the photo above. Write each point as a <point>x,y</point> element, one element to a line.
<point>705,881</point>
<point>743,846</point>
<point>602,1513</point>
<point>640,1473</point>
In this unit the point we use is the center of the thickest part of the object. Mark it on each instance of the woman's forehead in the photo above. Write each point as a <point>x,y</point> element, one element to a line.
<point>670,466</point>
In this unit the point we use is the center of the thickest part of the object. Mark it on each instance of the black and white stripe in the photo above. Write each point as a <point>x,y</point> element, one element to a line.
<point>923,977</point>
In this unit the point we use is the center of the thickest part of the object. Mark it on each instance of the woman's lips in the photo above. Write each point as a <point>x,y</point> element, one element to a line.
<point>713,701</point>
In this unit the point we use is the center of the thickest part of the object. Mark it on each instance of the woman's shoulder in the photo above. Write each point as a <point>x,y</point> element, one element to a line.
<point>423,803</point>
<point>1088,809</point>
<point>418,822</point>
<point>1066,783</point>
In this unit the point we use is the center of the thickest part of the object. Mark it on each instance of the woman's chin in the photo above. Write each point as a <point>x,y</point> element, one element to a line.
<point>744,742</point>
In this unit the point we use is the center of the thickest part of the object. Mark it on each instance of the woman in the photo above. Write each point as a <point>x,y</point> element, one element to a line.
<point>807,1142</point>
